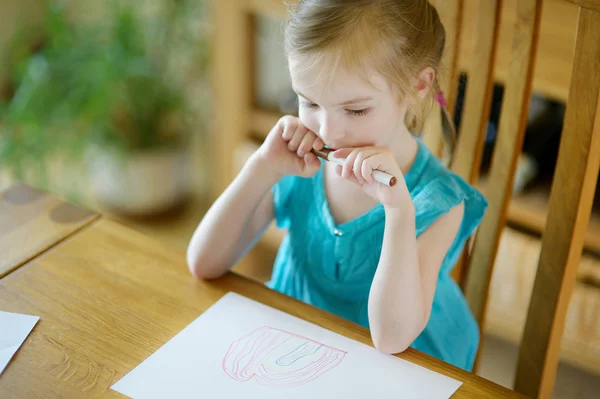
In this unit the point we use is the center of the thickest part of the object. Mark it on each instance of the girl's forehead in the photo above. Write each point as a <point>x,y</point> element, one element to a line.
<point>335,82</point>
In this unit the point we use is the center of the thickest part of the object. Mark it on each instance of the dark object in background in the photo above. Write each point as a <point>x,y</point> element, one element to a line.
<point>542,136</point>
<point>492,125</point>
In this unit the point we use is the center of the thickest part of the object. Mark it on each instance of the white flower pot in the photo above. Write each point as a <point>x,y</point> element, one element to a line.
<point>141,183</point>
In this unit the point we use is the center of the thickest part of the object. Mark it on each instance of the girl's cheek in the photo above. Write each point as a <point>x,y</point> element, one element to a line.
<point>310,121</point>
<point>371,134</point>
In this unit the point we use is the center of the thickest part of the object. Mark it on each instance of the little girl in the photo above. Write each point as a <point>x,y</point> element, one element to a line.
<point>366,74</point>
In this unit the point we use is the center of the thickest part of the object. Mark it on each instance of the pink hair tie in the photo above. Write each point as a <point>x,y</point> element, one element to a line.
<point>441,99</point>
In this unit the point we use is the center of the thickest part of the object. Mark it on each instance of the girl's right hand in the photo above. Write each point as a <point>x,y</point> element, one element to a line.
<point>287,148</point>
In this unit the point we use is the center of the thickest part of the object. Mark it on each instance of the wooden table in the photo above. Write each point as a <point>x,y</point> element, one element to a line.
<point>110,296</point>
<point>31,222</point>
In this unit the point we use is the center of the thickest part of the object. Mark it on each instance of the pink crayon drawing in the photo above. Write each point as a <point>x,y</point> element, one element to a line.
<point>279,359</point>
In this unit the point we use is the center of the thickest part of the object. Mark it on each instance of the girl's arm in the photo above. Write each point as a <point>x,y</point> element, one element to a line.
<point>235,222</point>
<point>239,217</point>
<point>402,292</point>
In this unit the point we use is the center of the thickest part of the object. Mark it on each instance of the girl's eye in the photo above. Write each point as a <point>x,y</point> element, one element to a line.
<point>358,112</point>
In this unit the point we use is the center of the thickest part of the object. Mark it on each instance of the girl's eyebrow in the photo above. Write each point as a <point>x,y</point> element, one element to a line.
<point>302,95</point>
<point>349,102</point>
<point>357,100</point>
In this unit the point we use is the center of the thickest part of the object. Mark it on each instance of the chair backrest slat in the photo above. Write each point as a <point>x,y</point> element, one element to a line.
<point>511,130</point>
<point>469,148</point>
<point>570,206</point>
<point>450,12</point>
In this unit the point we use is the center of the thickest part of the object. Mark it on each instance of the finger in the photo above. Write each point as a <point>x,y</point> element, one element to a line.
<point>381,162</point>
<point>352,178</point>
<point>279,128</point>
<point>349,164</point>
<point>318,144</point>
<point>367,171</point>
<point>312,161</point>
<point>345,152</point>
<point>296,139</point>
<point>310,165</point>
<point>307,143</point>
<point>342,153</point>
<point>288,130</point>
<point>357,167</point>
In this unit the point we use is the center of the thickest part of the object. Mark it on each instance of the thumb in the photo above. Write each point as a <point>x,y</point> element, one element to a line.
<point>342,153</point>
<point>311,163</point>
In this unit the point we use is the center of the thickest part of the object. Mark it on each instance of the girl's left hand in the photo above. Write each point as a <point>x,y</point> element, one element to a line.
<point>359,166</point>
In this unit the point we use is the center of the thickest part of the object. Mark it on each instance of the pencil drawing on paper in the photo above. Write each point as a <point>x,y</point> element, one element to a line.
<point>279,359</point>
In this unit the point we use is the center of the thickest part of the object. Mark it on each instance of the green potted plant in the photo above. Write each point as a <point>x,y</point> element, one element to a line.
<point>111,97</point>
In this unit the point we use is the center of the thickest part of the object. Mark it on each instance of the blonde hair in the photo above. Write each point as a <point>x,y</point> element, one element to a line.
<point>395,38</point>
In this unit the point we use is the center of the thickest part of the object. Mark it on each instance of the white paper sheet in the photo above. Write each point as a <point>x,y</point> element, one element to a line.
<point>14,328</point>
<point>241,348</point>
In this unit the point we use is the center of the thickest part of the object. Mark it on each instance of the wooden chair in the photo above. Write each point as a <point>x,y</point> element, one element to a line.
<point>572,193</point>
<point>574,181</point>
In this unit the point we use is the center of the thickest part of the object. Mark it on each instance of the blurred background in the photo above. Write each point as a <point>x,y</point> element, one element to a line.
<point>107,103</point>
<point>145,110</point>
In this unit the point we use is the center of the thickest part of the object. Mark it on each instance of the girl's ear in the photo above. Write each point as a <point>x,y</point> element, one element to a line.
<point>424,82</point>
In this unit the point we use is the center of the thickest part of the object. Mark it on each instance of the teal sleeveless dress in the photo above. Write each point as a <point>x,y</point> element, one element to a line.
<point>332,266</point>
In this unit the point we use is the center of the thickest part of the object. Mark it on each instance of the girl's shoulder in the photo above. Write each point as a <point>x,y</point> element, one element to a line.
<point>437,189</point>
